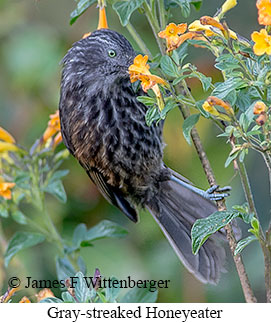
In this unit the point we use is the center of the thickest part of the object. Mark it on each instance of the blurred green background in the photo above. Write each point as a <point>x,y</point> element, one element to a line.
<point>34,36</point>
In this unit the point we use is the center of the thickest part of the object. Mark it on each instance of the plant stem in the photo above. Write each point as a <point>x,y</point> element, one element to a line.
<point>247,290</point>
<point>162,14</point>
<point>153,21</point>
<point>138,40</point>
<point>267,159</point>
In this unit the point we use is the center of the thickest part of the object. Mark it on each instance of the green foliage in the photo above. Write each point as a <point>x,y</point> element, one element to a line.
<point>188,125</point>
<point>124,9</point>
<point>20,241</point>
<point>81,7</point>
<point>203,228</point>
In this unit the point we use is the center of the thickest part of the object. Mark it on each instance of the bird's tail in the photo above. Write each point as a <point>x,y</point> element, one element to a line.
<point>175,209</point>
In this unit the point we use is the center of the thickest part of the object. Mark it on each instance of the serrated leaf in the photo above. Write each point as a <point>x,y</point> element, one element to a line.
<point>105,229</point>
<point>124,9</point>
<point>140,295</point>
<point>56,188</point>
<point>169,67</point>
<point>82,6</point>
<point>243,243</point>
<point>188,125</point>
<point>203,228</point>
<point>20,241</point>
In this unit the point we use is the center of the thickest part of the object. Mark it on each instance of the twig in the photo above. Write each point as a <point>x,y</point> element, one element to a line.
<point>247,290</point>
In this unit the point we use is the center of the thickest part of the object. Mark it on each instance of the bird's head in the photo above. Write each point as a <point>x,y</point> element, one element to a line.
<point>104,56</point>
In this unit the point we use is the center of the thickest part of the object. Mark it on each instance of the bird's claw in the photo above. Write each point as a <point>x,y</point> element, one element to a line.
<point>214,193</point>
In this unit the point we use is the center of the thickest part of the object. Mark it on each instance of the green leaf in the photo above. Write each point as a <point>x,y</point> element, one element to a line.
<point>51,300</point>
<point>56,188</point>
<point>203,228</point>
<point>79,234</point>
<point>169,67</point>
<point>82,6</point>
<point>188,125</point>
<point>111,293</point>
<point>140,295</point>
<point>59,174</point>
<point>170,105</point>
<point>105,229</point>
<point>243,243</point>
<point>223,89</point>
<point>19,217</point>
<point>64,268</point>
<point>196,4</point>
<point>185,8</point>
<point>152,115</point>
<point>124,9</point>
<point>82,292</point>
<point>3,211</point>
<point>231,158</point>
<point>20,241</point>
<point>67,297</point>
<point>148,101</point>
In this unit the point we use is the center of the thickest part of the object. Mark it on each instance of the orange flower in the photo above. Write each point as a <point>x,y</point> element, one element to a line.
<point>262,118</point>
<point>5,136</point>
<point>6,297</point>
<point>206,20</point>
<point>213,100</point>
<point>259,107</point>
<point>102,19</point>
<point>44,293</point>
<point>25,300</point>
<point>7,142</point>
<point>172,34</point>
<point>53,128</point>
<point>262,42</point>
<point>264,12</point>
<point>5,187</point>
<point>140,71</point>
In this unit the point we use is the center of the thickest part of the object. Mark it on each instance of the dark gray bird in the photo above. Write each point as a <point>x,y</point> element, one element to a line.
<point>103,126</point>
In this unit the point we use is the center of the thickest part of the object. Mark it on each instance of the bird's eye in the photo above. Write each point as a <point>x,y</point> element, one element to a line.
<point>111,53</point>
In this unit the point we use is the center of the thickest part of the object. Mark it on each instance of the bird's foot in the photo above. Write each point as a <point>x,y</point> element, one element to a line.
<point>214,193</point>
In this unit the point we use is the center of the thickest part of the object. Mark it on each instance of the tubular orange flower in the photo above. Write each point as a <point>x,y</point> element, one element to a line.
<point>262,42</point>
<point>25,300</point>
<point>102,18</point>
<point>140,71</point>
<point>5,189</point>
<point>7,142</point>
<point>172,34</point>
<point>206,20</point>
<point>210,108</point>
<point>213,100</point>
<point>264,12</point>
<point>259,107</point>
<point>53,126</point>
<point>262,118</point>
<point>6,297</point>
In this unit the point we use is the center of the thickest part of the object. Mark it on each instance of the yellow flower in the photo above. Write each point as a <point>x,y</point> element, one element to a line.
<point>209,108</point>
<point>7,142</point>
<point>262,42</point>
<point>172,34</point>
<point>5,189</point>
<point>228,5</point>
<point>52,128</point>
<point>204,25</point>
<point>259,107</point>
<point>5,136</point>
<point>264,12</point>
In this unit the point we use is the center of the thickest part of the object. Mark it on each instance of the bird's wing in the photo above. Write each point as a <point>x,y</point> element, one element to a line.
<point>112,194</point>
